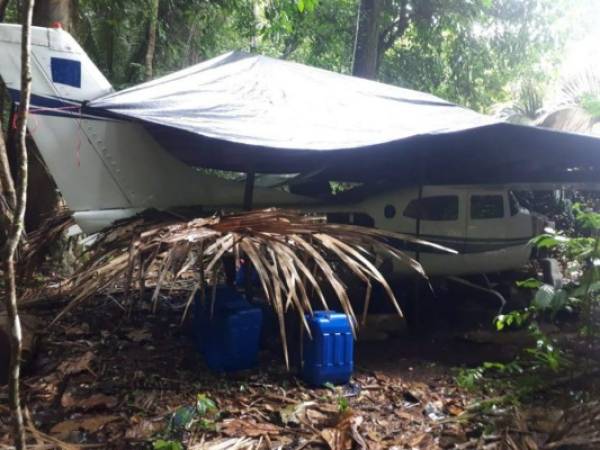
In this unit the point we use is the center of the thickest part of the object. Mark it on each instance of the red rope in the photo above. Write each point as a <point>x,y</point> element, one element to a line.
<point>32,130</point>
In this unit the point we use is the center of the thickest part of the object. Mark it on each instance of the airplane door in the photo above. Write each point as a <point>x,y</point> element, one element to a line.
<point>442,217</point>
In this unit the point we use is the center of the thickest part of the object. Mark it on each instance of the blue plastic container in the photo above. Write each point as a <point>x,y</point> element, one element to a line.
<point>329,356</point>
<point>241,274</point>
<point>230,340</point>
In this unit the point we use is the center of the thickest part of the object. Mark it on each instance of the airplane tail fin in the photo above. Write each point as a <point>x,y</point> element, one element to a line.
<point>62,73</point>
<point>63,78</point>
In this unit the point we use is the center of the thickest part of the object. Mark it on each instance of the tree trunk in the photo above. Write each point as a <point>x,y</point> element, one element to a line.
<point>48,13</point>
<point>3,6</point>
<point>16,231</point>
<point>152,24</point>
<point>366,42</point>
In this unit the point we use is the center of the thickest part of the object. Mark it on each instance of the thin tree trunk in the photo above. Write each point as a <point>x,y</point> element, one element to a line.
<point>364,63</point>
<point>151,39</point>
<point>8,187</point>
<point>3,6</point>
<point>8,190</point>
<point>15,232</point>
<point>6,180</point>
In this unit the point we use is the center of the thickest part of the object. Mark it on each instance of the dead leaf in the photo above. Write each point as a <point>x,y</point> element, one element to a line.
<point>421,440</point>
<point>452,436</point>
<point>293,413</point>
<point>336,439</point>
<point>239,427</point>
<point>139,335</point>
<point>345,432</point>
<point>316,418</point>
<point>77,364</point>
<point>410,417</point>
<point>89,424</point>
<point>454,409</point>
<point>68,401</point>
<point>144,429</point>
<point>355,422</point>
<point>77,330</point>
<point>416,393</point>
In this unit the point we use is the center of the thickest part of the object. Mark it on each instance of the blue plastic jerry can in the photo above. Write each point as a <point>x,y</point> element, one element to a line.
<point>229,340</point>
<point>329,356</point>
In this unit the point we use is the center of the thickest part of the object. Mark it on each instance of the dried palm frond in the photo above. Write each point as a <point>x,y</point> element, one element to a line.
<point>38,241</point>
<point>295,255</point>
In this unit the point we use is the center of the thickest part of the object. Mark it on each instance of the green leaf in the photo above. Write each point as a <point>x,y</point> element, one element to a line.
<point>204,404</point>
<point>529,283</point>
<point>544,297</point>
<point>310,5</point>
<point>343,404</point>
<point>183,418</point>
<point>167,445</point>
<point>300,5</point>
<point>549,240</point>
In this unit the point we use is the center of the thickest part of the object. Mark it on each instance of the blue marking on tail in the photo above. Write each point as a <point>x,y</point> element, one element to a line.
<point>66,71</point>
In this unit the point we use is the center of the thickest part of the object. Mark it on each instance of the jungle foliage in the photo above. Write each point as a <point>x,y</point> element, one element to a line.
<point>573,307</point>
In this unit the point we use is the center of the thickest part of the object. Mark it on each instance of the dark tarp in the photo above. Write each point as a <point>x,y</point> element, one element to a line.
<point>253,113</point>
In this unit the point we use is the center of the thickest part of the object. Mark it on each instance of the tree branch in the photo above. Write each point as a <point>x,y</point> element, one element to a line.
<point>395,30</point>
<point>16,230</point>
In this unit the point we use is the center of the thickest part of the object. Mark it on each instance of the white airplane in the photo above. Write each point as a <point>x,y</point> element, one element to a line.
<point>108,166</point>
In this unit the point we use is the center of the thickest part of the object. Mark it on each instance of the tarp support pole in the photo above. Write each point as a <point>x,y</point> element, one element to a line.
<point>249,191</point>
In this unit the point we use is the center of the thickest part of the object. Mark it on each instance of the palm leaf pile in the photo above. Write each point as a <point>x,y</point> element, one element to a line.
<point>295,256</point>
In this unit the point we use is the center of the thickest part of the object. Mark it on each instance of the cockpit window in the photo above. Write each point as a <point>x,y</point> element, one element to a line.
<point>513,203</point>
<point>439,208</point>
<point>487,207</point>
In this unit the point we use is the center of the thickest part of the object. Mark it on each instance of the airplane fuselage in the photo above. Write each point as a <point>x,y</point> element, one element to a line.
<point>108,169</point>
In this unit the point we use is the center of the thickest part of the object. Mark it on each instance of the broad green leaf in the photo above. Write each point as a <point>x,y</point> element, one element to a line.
<point>549,240</point>
<point>167,445</point>
<point>543,297</point>
<point>204,404</point>
<point>529,283</point>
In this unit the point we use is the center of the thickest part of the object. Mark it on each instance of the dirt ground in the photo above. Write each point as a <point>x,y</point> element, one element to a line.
<point>101,380</point>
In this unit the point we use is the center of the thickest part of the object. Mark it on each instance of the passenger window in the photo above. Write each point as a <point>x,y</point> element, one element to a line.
<point>442,207</point>
<point>487,207</point>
